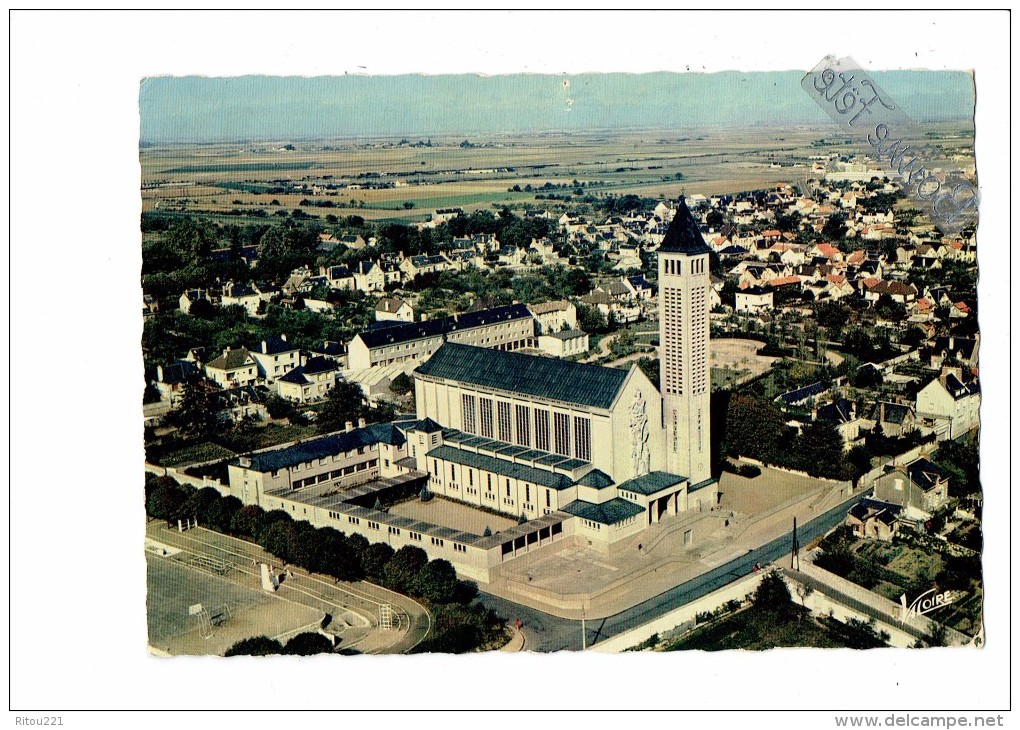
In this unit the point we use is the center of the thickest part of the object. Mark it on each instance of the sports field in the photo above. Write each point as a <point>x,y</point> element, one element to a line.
<point>175,585</point>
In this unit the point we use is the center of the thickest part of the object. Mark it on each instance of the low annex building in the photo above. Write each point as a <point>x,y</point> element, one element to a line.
<point>504,328</point>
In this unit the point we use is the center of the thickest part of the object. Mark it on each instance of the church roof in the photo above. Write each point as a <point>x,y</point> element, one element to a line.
<point>607,513</point>
<point>683,234</point>
<point>653,482</point>
<point>543,377</point>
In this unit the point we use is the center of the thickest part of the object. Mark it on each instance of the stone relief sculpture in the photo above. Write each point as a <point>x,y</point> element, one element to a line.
<point>640,454</point>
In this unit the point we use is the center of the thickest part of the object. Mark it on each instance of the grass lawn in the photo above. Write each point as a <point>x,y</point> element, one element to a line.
<point>278,433</point>
<point>193,454</point>
<point>724,377</point>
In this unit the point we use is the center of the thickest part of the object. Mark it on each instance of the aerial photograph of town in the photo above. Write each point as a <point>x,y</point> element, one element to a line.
<point>611,384</point>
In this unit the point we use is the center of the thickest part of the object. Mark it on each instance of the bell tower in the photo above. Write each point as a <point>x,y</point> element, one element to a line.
<point>685,381</point>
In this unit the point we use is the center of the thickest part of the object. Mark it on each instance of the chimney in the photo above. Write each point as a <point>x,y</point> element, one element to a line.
<point>361,423</point>
<point>245,461</point>
<point>348,426</point>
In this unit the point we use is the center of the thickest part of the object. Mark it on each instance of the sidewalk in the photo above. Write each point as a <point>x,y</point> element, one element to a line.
<point>578,580</point>
<point>517,642</point>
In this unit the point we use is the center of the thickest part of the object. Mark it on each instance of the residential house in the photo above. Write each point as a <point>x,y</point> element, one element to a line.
<point>234,367</point>
<point>949,405</point>
<point>243,401</point>
<point>895,419</point>
<point>368,277</point>
<point>189,297</point>
<point>332,350</point>
<point>170,380</point>
<point>920,485</point>
<point>564,343</point>
<point>842,415</point>
<point>276,357</point>
<point>309,381</point>
<point>553,316</point>
<point>753,299</point>
<point>391,309</point>
<point>899,291</point>
<point>874,519</point>
<point>638,287</point>
<point>414,266</point>
<point>339,277</point>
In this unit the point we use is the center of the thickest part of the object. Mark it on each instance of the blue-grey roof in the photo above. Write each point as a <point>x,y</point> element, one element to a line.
<point>330,349</point>
<point>683,235</point>
<point>318,448</point>
<point>802,394</point>
<point>924,474</point>
<point>652,482</point>
<point>501,467</point>
<point>840,411</point>
<point>409,331</point>
<point>559,380</point>
<point>597,479</point>
<point>607,513</point>
<point>275,344</point>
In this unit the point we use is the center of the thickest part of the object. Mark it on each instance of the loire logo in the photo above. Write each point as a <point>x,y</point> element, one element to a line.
<point>925,603</point>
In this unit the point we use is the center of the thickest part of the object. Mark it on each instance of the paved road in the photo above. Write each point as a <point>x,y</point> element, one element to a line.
<point>545,632</point>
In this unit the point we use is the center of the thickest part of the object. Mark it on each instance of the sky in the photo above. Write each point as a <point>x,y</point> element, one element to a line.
<point>200,109</point>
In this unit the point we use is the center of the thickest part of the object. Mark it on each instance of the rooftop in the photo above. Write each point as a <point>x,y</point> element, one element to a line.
<point>607,513</point>
<point>323,446</point>
<point>501,467</point>
<point>577,383</point>
<point>683,235</point>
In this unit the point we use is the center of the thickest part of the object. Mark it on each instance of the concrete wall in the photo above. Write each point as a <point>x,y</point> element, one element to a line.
<point>738,590</point>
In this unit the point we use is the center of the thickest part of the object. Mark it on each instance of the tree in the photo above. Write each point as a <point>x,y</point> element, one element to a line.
<point>819,449</point>
<point>859,459</point>
<point>937,635</point>
<point>307,644</point>
<point>772,596</point>
<point>835,227</point>
<point>754,428</point>
<point>220,514</point>
<point>346,403</point>
<point>195,416</point>
<point>246,521</point>
<point>277,538</point>
<point>255,646</point>
<point>166,500</point>
<point>437,582</point>
<point>375,558</point>
<point>402,384</point>
<point>401,572</point>
<point>714,219</point>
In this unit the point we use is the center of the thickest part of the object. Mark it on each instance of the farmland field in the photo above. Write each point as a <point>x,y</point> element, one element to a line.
<point>376,177</point>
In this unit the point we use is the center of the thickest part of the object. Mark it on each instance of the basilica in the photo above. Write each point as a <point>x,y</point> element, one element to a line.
<point>568,450</point>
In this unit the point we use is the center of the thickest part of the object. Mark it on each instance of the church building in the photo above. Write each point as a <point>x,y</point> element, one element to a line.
<point>531,436</point>
<point>566,450</point>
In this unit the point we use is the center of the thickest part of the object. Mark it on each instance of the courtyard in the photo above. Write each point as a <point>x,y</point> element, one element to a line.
<point>455,515</point>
